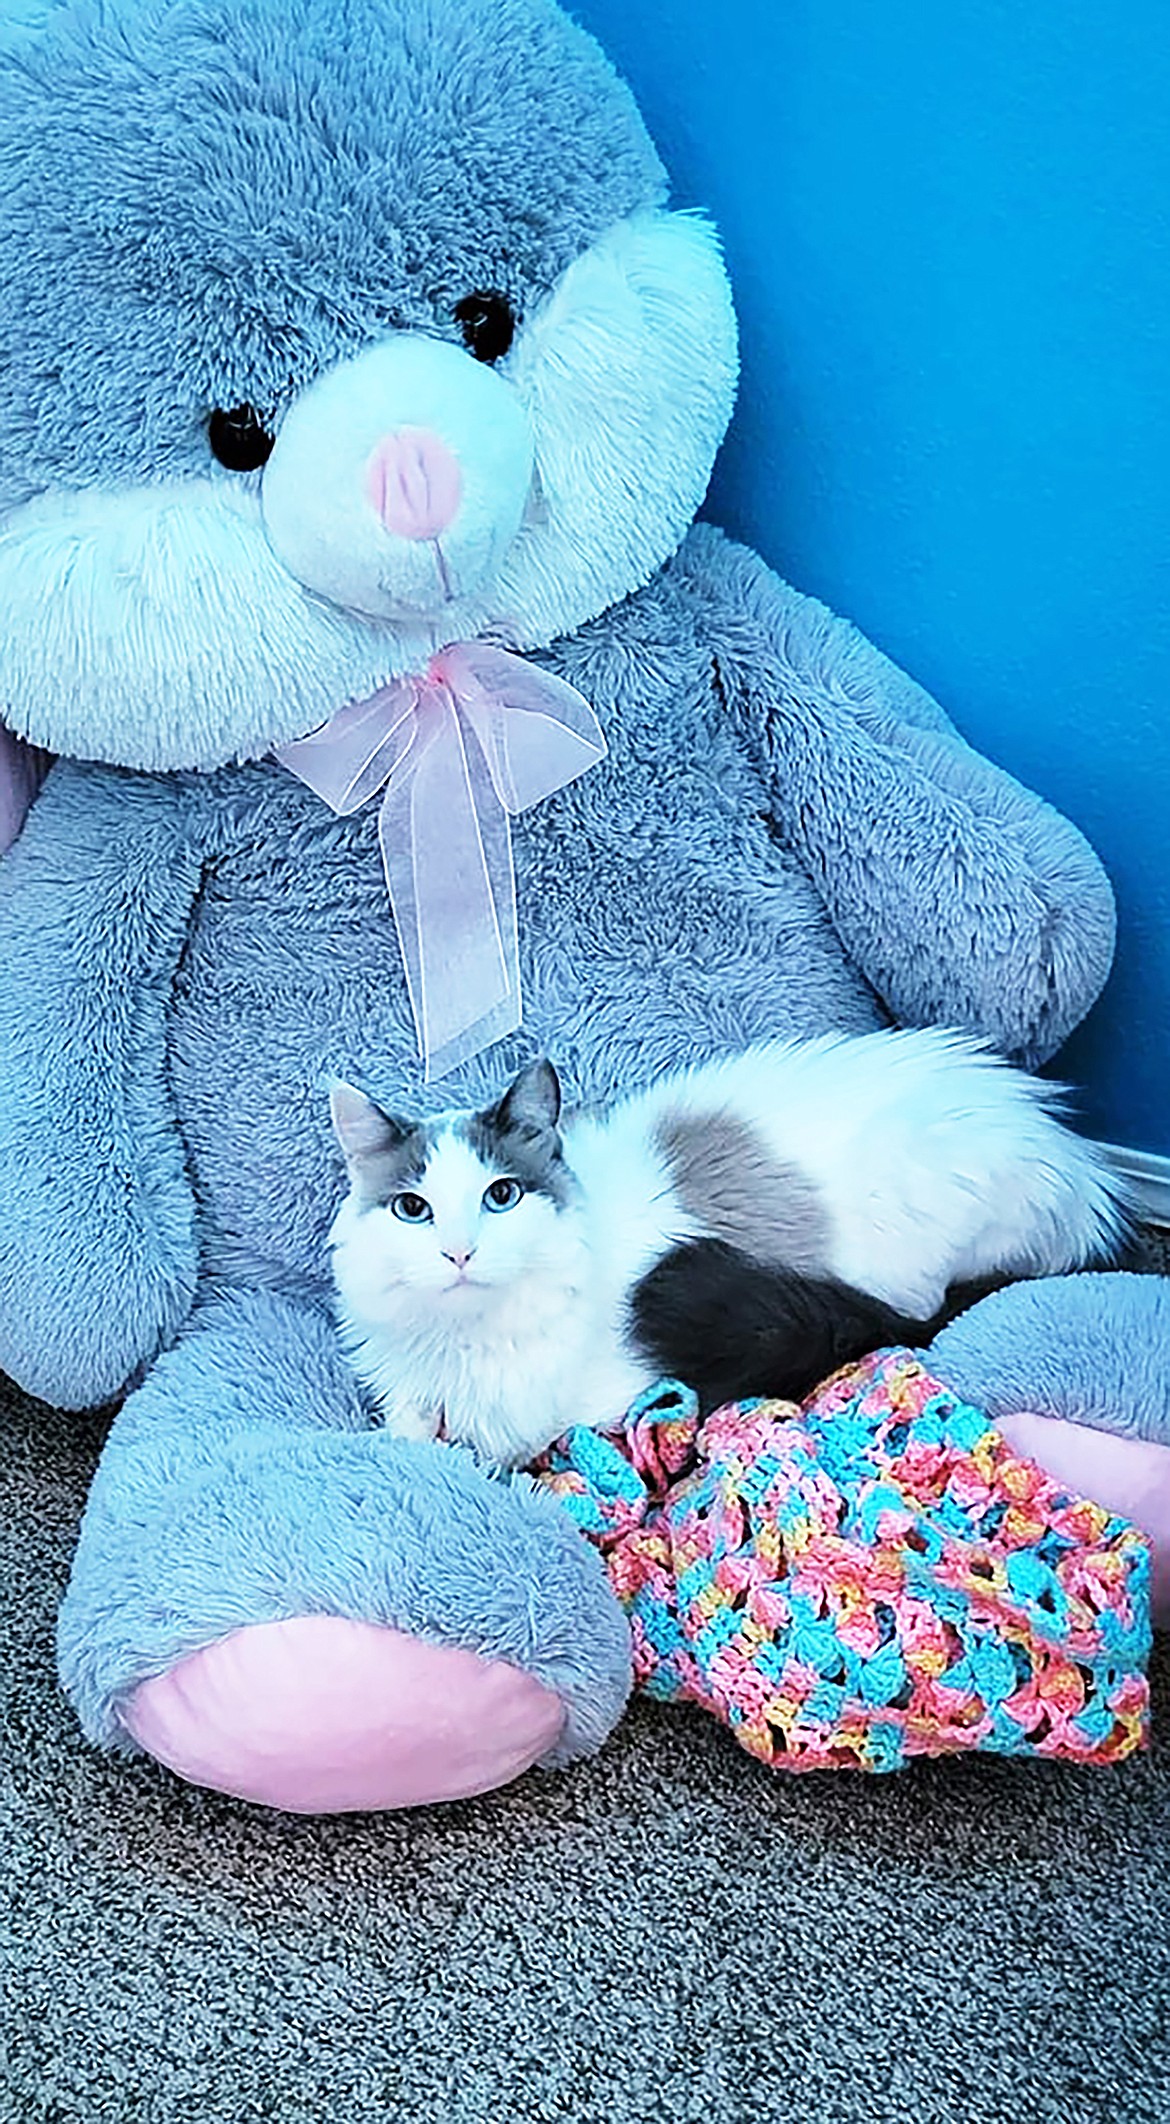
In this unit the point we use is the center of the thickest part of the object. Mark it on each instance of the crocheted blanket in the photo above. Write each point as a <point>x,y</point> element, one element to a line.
<point>869,1577</point>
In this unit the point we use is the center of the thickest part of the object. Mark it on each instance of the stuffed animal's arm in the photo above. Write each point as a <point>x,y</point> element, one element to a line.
<point>97,1242</point>
<point>964,899</point>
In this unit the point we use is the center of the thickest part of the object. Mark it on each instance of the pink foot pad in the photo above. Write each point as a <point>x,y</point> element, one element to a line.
<point>1126,1475</point>
<point>321,1715</point>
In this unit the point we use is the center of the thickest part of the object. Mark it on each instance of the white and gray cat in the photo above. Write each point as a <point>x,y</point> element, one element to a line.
<point>745,1226</point>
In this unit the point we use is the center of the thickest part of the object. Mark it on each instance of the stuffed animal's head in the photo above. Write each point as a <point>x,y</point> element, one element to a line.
<point>331,331</point>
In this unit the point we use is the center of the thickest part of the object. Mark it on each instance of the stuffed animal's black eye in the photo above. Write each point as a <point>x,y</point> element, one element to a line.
<point>488,323</point>
<point>239,438</point>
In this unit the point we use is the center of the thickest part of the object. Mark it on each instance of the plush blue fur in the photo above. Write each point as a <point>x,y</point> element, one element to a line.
<point>222,202</point>
<point>226,200</point>
<point>323,1516</point>
<point>269,188</point>
<point>212,950</point>
<point>1090,1348</point>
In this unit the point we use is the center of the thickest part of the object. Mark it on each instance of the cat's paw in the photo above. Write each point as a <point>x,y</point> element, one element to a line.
<point>410,1419</point>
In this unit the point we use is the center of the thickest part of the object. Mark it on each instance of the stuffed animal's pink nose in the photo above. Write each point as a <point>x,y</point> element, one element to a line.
<point>414,483</point>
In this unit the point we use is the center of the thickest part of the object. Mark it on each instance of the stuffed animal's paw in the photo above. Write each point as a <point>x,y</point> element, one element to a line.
<point>411,1420</point>
<point>321,1715</point>
<point>286,1604</point>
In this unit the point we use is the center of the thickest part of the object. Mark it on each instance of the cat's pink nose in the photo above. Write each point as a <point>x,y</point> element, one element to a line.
<point>414,483</point>
<point>460,1255</point>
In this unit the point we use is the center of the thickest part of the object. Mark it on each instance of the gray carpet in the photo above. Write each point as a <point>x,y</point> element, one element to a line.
<point>667,1932</point>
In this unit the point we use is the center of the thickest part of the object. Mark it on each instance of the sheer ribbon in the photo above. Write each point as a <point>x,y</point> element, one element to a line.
<point>457,751</point>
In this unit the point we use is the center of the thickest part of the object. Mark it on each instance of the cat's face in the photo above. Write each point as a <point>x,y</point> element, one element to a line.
<point>455,1212</point>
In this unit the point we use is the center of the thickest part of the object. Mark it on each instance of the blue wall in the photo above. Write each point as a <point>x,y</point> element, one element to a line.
<point>946,225</point>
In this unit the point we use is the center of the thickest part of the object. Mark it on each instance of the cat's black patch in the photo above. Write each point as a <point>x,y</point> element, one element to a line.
<point>518,1136</point>
<point>730,1327</point>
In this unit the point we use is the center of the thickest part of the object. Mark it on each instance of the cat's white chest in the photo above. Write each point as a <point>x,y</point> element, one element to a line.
<point>507,1380</point>
<point>503,1362</point>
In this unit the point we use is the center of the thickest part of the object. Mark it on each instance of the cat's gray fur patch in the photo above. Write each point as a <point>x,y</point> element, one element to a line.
<point>727,1179</point>
<point>379,1174</point>
<point>522,1151</point>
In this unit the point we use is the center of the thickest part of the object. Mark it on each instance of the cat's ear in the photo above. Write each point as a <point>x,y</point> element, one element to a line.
<point>533,1101</point>
<point>361,1128</point>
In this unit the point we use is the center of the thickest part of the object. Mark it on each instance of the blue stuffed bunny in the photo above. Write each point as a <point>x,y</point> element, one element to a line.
<point>359,390</point>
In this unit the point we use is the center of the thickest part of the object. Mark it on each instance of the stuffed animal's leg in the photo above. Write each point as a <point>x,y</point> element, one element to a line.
<point>1075,1371</point>
<point>280,1602</point>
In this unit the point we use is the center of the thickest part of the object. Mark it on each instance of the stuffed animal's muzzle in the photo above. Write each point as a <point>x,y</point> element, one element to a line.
<point>399,479</point>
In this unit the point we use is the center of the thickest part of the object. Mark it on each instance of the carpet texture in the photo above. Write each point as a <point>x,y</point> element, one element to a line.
<point>669,1931</point>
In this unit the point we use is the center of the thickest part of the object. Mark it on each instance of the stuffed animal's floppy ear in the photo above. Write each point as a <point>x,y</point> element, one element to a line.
<point>361,1128</point>
<point>22,770</point>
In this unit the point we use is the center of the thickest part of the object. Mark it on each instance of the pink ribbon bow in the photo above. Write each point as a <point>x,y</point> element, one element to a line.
<point>481,734</point>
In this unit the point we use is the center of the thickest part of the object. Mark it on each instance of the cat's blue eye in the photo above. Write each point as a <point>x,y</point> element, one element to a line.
<point>502,1195</point>
<point>412,1209</point>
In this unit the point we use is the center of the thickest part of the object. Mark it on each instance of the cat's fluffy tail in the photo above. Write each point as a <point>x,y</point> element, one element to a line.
<point>935,1161</point>
<point>985,1180</point>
